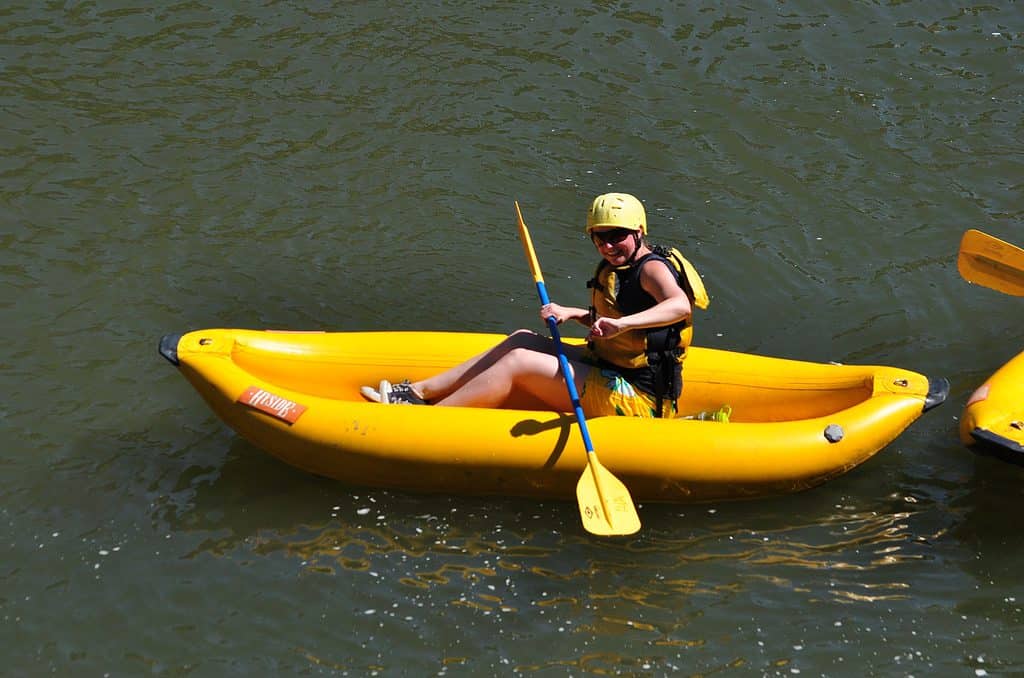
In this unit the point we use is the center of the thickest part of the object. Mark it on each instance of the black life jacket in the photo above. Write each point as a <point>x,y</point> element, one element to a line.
<point>649,358</point>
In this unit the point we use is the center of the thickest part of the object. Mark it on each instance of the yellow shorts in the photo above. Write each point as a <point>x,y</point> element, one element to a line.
<point>606,393</point>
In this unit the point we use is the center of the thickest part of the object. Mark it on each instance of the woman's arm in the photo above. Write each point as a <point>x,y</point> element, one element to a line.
<point>672,304</point>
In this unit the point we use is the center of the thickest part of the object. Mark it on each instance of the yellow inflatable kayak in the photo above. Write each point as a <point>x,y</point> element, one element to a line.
<point>993,421</point>
<point>793,424</point>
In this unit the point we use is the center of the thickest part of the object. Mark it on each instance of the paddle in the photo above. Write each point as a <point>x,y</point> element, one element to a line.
<point>605,505</point>
<point>989,261</point>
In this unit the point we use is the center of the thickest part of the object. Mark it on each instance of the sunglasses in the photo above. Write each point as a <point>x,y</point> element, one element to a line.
<point>611,237</point>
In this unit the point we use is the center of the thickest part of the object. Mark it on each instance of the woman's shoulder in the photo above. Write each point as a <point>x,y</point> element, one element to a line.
<point>654,261</point>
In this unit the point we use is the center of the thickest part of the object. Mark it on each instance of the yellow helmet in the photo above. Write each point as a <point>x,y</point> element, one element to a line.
<point>617,210</point>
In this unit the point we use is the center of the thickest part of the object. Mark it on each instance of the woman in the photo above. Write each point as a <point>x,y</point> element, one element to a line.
<point>639,325</point>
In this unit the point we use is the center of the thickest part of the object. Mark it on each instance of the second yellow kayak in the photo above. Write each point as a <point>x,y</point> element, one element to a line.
<point>993,421</point>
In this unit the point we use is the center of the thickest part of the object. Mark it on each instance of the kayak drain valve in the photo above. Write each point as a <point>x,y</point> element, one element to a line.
<point>833,433</point>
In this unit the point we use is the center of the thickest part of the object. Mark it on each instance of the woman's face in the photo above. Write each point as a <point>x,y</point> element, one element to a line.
<point>616,245</point>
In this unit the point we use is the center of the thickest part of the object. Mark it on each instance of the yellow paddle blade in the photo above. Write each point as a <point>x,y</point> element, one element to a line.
<point>605,505</point>
<point>989,261</point>
<point>531,255</point>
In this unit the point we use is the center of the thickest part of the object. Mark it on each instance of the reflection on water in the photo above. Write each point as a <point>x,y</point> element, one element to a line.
<point>816,572</point>
<point>473,569</point>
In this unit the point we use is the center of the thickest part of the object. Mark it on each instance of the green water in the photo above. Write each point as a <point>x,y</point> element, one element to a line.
<point>352,165</point>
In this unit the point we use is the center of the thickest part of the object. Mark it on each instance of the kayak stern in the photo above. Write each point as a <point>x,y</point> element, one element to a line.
<point>938,391</point>
<point>169,348</point>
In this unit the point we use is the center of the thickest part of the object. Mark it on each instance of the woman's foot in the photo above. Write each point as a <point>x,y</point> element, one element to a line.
<point>392,394</point>
<point>399,394</point>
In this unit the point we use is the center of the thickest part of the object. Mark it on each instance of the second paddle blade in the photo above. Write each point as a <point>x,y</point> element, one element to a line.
<point>989,261</point>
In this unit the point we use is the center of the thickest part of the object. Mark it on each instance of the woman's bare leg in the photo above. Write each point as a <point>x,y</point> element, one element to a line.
<point>525,369</point>
<point>436,388</point>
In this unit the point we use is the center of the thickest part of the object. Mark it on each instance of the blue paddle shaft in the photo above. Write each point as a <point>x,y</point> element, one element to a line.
<point>563,361</point>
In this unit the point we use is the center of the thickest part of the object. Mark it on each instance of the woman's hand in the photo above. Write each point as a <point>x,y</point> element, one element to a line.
<point>606,328</point>
<point>560,313</point>
<point>563,313</point>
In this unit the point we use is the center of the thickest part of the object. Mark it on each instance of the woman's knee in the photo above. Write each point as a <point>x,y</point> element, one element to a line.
<point>521,337</point>
<point>529,362</point>
<point>528,339</point>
